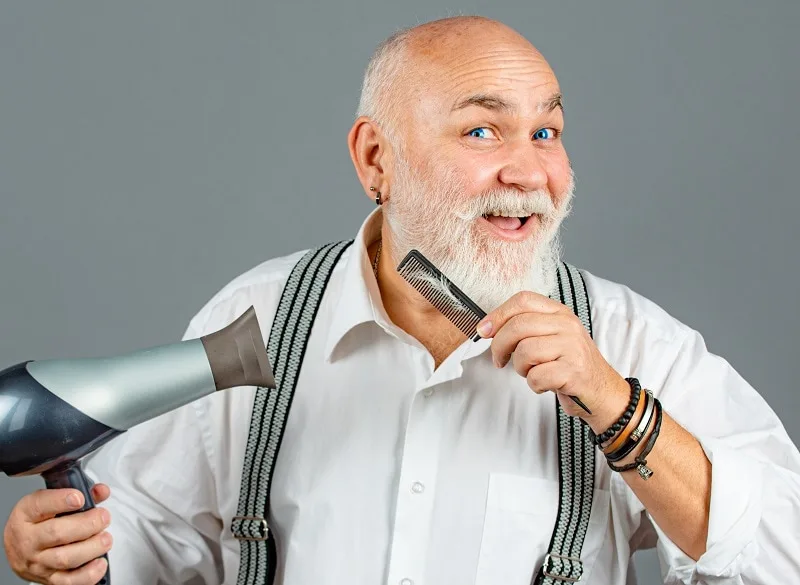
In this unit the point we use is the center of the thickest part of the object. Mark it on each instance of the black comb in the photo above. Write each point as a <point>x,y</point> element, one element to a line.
<point>418,271</point>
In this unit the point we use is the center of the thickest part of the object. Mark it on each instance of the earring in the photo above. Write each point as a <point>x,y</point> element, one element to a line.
<point>377,196</point>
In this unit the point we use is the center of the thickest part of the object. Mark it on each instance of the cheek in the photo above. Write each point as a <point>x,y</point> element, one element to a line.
<point>558,173</point>
<point>471,174</point>
<point>456,172</point>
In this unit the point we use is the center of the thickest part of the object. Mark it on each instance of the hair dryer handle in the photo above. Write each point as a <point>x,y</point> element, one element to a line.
<point>73,476</point>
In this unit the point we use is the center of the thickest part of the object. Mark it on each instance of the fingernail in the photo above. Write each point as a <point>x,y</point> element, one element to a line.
<point>105,515</point>
<point>485,328</point>
<point>73,500</point>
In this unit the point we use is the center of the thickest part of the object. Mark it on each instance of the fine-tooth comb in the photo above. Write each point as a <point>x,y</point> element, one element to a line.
<point>459,309</point>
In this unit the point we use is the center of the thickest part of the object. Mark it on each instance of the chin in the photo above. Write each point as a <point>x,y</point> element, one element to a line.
<point>491,270</point>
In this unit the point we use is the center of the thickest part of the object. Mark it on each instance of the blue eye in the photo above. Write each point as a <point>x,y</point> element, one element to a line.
<point>544,134</point>
<point>479,133</point>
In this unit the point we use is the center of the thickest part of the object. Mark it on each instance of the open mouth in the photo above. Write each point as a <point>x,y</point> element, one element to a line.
<point>510,228</point>
<point>506,222</point>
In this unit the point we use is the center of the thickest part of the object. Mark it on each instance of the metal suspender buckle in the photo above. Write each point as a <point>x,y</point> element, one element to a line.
<point>249,528</point>
<point>573,561</point>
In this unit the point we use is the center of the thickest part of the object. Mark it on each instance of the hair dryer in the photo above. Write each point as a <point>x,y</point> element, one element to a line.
<point>54,412</point>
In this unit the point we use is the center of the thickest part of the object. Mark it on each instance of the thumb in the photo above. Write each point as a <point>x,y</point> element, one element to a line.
<point>44,504</point>
<point>100,492</point>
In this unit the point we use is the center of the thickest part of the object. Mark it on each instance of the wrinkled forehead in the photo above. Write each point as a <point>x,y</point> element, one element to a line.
<point>504,74</point>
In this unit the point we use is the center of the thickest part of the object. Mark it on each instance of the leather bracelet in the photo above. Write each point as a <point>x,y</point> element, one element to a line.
<point>637,434</point>
<point>640,463</point>
<point>636,390</point>
<point>622,437</point>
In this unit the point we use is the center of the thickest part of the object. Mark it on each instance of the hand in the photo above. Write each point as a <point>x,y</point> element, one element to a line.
<point>549,346</point>
<point>58,551</point>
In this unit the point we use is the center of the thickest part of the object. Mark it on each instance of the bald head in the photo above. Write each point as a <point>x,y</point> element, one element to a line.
<point>437,58</point>
<point>436,39</point>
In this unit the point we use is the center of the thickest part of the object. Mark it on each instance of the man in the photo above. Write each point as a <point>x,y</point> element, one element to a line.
<point>412,455</point>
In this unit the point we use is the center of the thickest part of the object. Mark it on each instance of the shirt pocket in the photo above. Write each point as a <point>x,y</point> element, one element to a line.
<point>518,526</point>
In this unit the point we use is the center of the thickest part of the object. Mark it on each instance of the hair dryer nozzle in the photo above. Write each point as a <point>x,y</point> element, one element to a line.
<point>237,354</point>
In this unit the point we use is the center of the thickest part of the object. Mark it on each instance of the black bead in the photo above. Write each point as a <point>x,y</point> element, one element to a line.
<point>623,421</point>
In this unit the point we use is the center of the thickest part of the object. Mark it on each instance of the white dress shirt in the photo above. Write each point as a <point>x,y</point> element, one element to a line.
<point>392,472</point>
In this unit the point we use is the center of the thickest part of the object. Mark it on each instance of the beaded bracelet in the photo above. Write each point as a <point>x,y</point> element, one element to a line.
<point>636,390</point>
<point>614,444</point>
<point>640,463</point>
<point>637,434</point>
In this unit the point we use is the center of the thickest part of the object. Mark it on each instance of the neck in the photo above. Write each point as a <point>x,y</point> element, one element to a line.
<point>410,311</point>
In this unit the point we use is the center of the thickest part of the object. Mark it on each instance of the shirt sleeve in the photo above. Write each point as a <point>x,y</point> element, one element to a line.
<point>165,524</point>
<point>753,535</point>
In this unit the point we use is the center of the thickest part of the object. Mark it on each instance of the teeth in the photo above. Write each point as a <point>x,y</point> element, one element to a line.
<point>503,214</point>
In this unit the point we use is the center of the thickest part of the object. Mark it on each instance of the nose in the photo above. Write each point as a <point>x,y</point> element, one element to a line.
<point>523,170</point>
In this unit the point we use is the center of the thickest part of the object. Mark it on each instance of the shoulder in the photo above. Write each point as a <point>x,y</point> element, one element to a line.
<point>260,286</point>
<point>619,306</point>
<point>640,338</point>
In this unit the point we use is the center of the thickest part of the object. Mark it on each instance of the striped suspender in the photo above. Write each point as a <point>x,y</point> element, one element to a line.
<point>288,338</point>
<point>576,453</point>
<point>287,343</point>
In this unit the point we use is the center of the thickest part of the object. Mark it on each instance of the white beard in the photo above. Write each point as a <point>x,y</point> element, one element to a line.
<point>430,214</point>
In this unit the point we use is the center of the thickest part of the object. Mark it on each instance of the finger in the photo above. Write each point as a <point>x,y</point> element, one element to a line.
<point>522,302</point>
<point>88,575</point>
<point>520,327</point>
<point>100,492</point>
<point>534,351</point>
<point>72,528</point>
<point>44,504</point>
<point>546,377</point>
<point>73,556</point>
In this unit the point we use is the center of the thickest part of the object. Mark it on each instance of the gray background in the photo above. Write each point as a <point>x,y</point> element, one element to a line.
<point>151,151</point>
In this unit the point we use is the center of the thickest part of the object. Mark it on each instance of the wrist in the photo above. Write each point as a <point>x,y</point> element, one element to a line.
<point>631,457</point>
<point>609,410</point>
<point>639,452</point>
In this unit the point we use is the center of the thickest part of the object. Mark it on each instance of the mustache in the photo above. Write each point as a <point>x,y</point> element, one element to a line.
<point>508,202</point>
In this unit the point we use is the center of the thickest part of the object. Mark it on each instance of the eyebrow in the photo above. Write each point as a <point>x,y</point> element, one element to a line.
<point>496,103</point>
<point>486,101</point>
<point>551,104</point>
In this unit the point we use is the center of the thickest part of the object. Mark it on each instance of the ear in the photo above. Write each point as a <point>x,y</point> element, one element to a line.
<point>369,151</point>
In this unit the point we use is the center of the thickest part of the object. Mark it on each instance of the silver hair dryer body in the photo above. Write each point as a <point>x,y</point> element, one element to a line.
<point>54,412</point>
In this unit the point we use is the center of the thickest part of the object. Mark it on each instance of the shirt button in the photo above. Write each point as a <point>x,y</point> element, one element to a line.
<point>406,581</point>
<point>417,487</point>
<point>428,392</point>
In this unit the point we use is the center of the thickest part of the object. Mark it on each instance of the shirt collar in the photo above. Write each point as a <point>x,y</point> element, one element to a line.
<point>359,300</point>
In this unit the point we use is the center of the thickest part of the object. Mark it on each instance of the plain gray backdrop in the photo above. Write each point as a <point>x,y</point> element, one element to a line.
<point>151,151</point>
